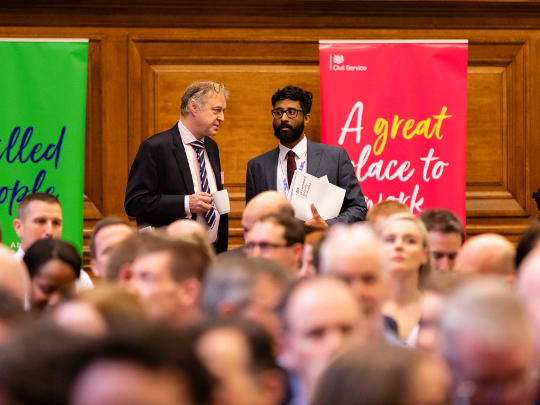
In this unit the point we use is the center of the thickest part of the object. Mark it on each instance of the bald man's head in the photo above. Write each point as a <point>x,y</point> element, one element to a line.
<point>13,274</point>
<point>487,254</point>
<point>268,202</point>
<point>185,227</point>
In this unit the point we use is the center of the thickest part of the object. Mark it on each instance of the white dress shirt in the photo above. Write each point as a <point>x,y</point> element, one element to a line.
<point>187,138</point>
<point>300,156</point>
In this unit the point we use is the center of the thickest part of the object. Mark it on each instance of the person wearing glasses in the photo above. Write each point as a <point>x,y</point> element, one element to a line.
<point>274,170</point>
<point>277,237</point>
<point>175,171</point>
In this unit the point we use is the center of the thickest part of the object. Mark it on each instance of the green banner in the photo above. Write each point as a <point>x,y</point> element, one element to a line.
<point>42,122</point>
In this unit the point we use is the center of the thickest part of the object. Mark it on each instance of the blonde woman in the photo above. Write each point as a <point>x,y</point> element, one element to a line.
<point>406,244</point>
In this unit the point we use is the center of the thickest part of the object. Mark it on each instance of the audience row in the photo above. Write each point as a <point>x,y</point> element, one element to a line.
<point>397,310</point>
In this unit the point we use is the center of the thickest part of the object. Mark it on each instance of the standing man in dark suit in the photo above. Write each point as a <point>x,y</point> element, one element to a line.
<point>175,171</point>
<point>274,170</point>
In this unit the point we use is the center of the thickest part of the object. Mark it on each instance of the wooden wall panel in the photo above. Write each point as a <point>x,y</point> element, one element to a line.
<point>141,58</point>
<point>497,157</point>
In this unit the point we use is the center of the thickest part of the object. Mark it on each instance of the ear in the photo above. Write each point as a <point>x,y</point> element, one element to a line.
<point>124,274</point>
<point>193,107</point>
<point>425,259</point>
<point>226,309</point>
<point>18,225</point>
<point>287,356</point>
<point>190,290</point>
<point>306,118</point>
<point>510,279</point>
<point>298,250</point>
<point>271,387</point>
<point>94,268</point>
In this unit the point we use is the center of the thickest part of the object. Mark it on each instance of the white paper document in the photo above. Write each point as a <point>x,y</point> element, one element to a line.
<point>307,189</point>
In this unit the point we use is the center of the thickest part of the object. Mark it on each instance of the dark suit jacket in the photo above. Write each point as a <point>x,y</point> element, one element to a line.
<point>322,160</point>
<point>160,179</point>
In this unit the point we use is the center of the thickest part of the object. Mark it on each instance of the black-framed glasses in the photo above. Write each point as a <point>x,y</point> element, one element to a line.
<point>263,246</point>
<point>218,87</point>
<point>291,112</point>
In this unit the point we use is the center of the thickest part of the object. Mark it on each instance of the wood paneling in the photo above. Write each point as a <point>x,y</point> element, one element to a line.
<point>497,157</point>
<point>142,55</point>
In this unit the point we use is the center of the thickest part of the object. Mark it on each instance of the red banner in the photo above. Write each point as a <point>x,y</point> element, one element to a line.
<point>399,108</point>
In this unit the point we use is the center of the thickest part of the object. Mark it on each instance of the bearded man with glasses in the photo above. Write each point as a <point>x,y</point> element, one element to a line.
<point>274,170</point>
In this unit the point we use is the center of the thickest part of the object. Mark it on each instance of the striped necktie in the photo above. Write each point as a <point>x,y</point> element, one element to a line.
<point>210,216</point>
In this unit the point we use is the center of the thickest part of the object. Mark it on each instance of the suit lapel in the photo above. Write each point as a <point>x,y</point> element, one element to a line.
<point>213,157</point>
<point>314,154</point>
<point>271,169</point>
<point>181,159</point>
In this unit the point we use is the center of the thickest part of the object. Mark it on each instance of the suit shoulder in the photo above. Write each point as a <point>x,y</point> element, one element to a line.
<point>261,158</point>
<point>160,138</point>
<point>209,141</point>
<point>330,149</point>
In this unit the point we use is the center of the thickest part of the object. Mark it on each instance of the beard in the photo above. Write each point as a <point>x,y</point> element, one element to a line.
<point>288,136</point>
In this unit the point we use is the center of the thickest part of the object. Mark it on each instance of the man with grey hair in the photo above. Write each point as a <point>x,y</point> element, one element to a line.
<point>354,254</point>
<point>487,344</point>
<point>250,288</point>
<point>175,171</point>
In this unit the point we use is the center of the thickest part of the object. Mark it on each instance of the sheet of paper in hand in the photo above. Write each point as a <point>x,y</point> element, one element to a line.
<point>307,189</point>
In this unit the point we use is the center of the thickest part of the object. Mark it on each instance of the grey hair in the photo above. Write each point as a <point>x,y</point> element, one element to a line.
<point>484,308</point>
<point>199,92</point>
<point>425,269</point>
<point>232,280</point>
<point>342,239</point>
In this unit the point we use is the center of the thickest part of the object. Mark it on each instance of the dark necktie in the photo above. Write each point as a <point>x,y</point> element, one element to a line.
<point>210,216</point>
<point>291,166</point>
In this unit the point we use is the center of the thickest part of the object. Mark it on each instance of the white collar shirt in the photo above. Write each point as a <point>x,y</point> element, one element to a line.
<point>300,157</point>
<point>187,138</point>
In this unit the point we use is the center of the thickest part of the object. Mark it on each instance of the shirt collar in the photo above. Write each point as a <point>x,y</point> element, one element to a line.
<point>185,134</point>
<point>299,150</point>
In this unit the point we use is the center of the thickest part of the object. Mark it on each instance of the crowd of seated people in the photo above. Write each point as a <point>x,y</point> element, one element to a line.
<point>395,310</point>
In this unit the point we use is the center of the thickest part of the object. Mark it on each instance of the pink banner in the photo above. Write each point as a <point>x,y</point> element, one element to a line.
<point>399,108</point>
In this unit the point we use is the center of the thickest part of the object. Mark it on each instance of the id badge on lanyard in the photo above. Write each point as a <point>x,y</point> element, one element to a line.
<point>285,182</point>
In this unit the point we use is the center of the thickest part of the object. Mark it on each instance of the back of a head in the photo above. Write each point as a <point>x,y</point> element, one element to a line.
<point>528,241</point>
<point>444,221</point>
<point>11,310</point>
<point>349,241</point>
<point>373,374</point>
<point>152,348</point>
<point>484,310</point>
<point>382,210</point>
<point>265,203</point>
<point>45,365</point>
<point>489,254</point>
<point>200,240</point>
<point>119,308</point>
<point>228,280</point>
<point>258,339</point>
<point>187,260</point>
<point>232,280</point>
<point>48,249</point>
<point>123,253</point>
